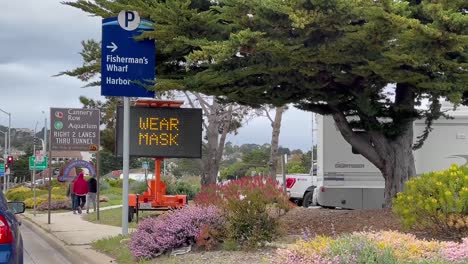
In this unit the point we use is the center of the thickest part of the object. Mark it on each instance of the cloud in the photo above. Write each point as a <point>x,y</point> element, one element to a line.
<point>40,38</point>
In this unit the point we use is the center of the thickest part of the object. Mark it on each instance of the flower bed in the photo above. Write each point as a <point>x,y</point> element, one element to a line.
<point>373,247</point>
<point>178,228</point>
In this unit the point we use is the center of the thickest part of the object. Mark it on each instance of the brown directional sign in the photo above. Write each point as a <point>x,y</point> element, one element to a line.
<point>74,129</point>
<point>162,132</point>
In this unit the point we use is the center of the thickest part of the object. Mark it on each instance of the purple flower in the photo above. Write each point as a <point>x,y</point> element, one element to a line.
<point>177,228</point>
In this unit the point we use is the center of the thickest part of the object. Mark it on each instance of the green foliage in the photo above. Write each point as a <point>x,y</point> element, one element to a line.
<point>115,183</point>
<point>187,167</point>
<point>180,186</point>
<point>295,167</point>
<point>248,221</point>
<point>41,199</point>
<point>256,158</point>
<point>104,185</point>
<point>436,201</point>
<point>20,194</point>
<point>138,187</point>
<point>234,171</point>
<point>251,206</point>
<point>359,249</point>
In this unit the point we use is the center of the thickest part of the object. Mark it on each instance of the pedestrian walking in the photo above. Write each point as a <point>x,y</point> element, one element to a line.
<point>71,195</point>
<point>80,188</point>
<point>92,190</point>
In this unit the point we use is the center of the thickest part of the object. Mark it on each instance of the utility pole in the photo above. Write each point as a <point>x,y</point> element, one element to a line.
<point>4,159</point>
<point>9,129</point>
<point>34,168</point>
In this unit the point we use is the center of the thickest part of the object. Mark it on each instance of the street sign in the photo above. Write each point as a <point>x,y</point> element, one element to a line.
<point>39,165</point>
<point>75,129</point>
<point>2,169</point>
<point>162,132</point>
<point>125,60</point>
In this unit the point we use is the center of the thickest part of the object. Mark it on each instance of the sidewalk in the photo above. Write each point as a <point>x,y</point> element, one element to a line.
<point>72,235</point>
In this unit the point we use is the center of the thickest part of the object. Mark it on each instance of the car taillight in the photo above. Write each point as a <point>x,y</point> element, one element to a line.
<point>5,233</point>
<point>290,182</point>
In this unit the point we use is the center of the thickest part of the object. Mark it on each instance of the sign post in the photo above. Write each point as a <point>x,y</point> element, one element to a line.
<point>127,65</point>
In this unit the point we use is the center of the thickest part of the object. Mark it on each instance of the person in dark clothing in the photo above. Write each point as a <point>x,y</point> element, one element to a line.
<point>92,190</point>
<point>80,188</point>
<point>71,195</point>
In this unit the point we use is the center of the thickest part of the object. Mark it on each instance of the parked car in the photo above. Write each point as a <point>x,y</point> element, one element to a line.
<point>11,242</point>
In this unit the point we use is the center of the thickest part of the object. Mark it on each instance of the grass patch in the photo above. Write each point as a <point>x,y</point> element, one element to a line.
<point>114,194</point>
<point>113,217</point>
<point>114,248</point>
<point>117,249</point>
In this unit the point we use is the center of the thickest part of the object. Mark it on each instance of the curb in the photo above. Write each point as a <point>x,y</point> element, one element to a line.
<point>72,255</point>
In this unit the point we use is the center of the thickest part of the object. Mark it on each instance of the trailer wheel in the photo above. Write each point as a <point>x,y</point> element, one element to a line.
<point>308,199</point>
<point>131,213</point>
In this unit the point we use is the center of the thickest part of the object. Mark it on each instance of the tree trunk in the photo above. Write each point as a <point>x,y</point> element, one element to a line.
<point>276,128</point>
<point>398,165</point>
<point>210,172</point>
<point>393,156</point>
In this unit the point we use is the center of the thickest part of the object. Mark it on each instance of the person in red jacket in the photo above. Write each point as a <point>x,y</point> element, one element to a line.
<point>80,188</point>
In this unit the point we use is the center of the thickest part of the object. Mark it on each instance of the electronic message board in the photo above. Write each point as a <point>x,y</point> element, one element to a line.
<point>162,132</point>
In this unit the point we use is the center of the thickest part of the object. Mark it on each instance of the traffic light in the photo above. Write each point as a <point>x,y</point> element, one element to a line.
<point>10,160</point>
<point>6,166</point>
<point>35,140</point>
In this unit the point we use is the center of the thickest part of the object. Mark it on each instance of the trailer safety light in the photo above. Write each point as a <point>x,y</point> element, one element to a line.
<point>290,182</point>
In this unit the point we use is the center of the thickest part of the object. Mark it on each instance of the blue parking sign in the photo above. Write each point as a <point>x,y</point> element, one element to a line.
<point>125,60</point>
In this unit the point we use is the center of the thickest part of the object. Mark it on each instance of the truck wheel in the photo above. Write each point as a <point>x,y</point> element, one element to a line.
<point>308,199</point>
<point>131,213</point>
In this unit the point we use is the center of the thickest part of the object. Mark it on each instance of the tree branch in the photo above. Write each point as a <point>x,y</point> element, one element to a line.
<point>206,107</point>
<point>364,147</point>
<point>193,106</point>
<point>269,116</point>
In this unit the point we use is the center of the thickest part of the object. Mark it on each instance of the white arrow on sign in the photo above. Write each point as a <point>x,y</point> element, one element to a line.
<point>113,47</point>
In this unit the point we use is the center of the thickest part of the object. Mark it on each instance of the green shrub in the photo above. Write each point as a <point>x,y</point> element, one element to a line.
<point>436,201</point>
<point>20,194</point>
<point>43,199</point>
<point>251,206</point>
<point>105,185</point>
<point>174,187</point>
<point>116,183</point>
<point>248,221</point>
<point>356,248</point>
<point>138,187</point>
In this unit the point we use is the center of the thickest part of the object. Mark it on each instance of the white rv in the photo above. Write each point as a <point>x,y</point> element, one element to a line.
<point>348,180</point>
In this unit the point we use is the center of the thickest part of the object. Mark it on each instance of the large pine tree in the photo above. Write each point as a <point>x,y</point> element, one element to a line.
<point>369,63</point>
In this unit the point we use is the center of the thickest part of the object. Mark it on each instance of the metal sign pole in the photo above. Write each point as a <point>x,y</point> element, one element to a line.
<point>98,179</point>
<point>283,168</point>
<point>49,166</point>
<point>34,179</point>
<point>126,161</point>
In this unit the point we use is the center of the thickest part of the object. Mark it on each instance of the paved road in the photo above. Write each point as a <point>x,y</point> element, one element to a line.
<point>37,251</point>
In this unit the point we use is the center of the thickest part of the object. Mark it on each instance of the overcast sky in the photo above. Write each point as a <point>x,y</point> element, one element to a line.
<point>41,38</point>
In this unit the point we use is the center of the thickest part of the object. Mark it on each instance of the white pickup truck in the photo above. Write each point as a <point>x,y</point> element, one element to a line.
<point>300,188</point>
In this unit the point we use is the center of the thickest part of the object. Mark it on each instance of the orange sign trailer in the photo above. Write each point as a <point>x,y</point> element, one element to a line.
<point>155,197</point>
